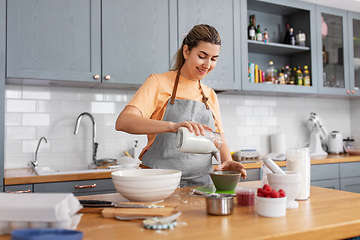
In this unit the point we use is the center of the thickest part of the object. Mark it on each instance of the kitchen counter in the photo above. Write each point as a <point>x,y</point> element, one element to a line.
<point>327,214</point>
<point>28,176</point>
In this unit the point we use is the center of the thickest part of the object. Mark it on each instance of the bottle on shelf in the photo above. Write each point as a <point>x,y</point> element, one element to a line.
<point>259,36</point>
<point>282,78</point>
<point>325,55</point>
<point>287,34</point>
<point>300,39</point>
<point>292,37</point>
<point>251,29</point>
<point>293,76</point>
<point>287,74</point>
<point>266,36</point>
<point>270,73</point>
<point>299,77</point>
<point>307,81</point>
<point>276,77</point>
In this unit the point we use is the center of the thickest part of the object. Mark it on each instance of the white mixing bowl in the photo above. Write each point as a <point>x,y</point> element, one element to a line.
<point>146,185</point>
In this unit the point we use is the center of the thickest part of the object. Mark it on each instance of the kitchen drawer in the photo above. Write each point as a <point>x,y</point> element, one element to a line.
<point>86,187</point>
<point>24,188</point>
<point>252,175</point>
<point>332,184</point>
<point>325,172</point>
<point>351,169</point>
<point>350,184</point>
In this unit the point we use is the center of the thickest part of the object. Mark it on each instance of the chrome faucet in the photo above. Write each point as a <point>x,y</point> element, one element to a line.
<point>94,143</point>
<point>35,163</point>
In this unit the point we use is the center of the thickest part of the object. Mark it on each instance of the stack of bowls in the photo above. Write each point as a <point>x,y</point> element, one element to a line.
<point>146,185</point>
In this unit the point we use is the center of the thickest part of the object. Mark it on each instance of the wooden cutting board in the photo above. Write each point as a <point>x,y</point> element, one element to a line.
<point>168,210</point>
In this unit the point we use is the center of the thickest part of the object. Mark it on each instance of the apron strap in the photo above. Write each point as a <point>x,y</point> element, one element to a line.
<point>173,95</point>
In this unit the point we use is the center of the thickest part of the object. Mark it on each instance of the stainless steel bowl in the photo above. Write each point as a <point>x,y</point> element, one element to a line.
<point>219,205</point>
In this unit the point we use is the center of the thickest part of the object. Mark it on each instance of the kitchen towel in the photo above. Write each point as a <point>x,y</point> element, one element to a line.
<point>278,143</point>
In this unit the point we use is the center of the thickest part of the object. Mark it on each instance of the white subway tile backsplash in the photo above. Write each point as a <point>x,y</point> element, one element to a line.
<point>36,119</point>
<point>13,91</point>
<point>261,111</point>
<point>29,146</point>
<point>20,105</point>
<point>12,147</point>
<point>49,106</point>
<point>102,107</point>
<point>244,111</point>
<point>35,92</point>
<point>64,93</point>
<point>268,121</point>
<point>13,119</point>
<point>76,106</point>
<point>115,95</point>
<point>253,121</point>
<point>33,112</point>
<point>20,133</point>
<point>245,131</point>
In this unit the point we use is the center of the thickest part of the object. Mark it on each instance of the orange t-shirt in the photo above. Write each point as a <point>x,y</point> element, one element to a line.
<point>152,97</point>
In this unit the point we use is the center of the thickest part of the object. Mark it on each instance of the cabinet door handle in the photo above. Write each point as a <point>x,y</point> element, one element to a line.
<point>353,92</point>
<point>86,186</point>
<point>107,77</point>
<point>21,191</point>
<point>96,76</point>
<point>348,91</point>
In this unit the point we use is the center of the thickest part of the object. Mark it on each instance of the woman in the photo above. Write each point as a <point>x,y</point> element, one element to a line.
<point>168,101</point>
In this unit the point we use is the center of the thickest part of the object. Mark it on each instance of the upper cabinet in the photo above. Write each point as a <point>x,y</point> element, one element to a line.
<point>354,52</point>
<point>54,40</point>
<point>137,39</point>
<point>115,41</point>
<point>332,45</point>
<point>224,16</point>
<point>272,17</point>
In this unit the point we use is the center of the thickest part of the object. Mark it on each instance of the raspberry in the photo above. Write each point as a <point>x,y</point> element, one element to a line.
<point>274,194</point>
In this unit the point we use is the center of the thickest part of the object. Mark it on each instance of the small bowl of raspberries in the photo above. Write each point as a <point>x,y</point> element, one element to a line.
<point>270,203</point>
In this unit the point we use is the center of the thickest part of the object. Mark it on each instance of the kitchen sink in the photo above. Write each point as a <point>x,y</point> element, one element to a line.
<point>71,169</point>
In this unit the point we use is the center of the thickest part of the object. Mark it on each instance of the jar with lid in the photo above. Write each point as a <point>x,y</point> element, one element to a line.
<point>270,73</point>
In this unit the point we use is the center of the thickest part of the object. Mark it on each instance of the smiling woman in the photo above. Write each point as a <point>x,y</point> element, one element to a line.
<point>168,101</point>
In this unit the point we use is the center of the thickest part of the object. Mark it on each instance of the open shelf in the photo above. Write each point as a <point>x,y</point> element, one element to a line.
<point>275,48</point>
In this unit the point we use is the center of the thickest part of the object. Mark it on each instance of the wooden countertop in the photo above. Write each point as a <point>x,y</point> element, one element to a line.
<point>327,214</point>
<point>28,176</point>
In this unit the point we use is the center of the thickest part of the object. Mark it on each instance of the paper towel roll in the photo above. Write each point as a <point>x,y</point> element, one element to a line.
<point>298,160</point>
<point>278,144</point>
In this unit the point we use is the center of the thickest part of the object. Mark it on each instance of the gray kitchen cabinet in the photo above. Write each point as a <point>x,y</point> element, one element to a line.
<point>332,184</point>
<point>332,45</point>
<point>88,42</point>
<point>2,86</point>
<point>325,175</point>
<point>350,184</point>
<point>350,177</point>
<point>53,40</point>
<point>137,39</point>
<point>325,171</point>
<point>22,188</point>
<point>354,52</point>
<point>252,175</point>
<point>225,17</point>
<point>78,188</point>
<point>273,16</point>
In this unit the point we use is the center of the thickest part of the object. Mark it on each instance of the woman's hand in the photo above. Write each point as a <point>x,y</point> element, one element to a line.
<point>192,126</point>
<point>232,166</point>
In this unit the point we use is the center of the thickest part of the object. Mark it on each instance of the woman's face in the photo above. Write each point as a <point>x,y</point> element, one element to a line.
<point>200,60</point>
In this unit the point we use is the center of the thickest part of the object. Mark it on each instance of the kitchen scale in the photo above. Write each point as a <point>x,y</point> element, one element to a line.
<point>211,189</point>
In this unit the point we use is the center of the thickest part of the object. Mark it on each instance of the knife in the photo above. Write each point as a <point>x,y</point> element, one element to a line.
<point>100,203</point>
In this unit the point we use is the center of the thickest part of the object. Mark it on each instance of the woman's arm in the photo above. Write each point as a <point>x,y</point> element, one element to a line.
<point>131,121</point>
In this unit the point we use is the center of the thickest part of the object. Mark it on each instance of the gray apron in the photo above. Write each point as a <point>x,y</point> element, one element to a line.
<point>163,153</point>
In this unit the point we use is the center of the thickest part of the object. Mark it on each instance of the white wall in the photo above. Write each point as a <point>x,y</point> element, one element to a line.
<point>355,116</point>
<point>32,112</point>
